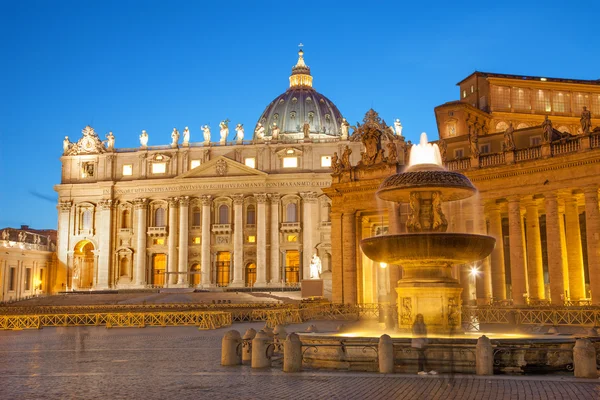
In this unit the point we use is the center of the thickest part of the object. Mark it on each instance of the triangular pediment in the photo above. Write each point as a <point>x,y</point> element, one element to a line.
<point>221,167</point>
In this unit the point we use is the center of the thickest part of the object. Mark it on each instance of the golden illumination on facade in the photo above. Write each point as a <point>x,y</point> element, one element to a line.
<point>301,73</point>
<point>251,239</point>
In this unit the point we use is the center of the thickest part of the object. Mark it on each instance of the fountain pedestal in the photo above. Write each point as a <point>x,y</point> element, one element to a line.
<point>438,303</point>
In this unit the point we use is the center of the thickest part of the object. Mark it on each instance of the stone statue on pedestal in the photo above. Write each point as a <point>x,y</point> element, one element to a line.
<point>397,127</point>
<point>110,141</point>
<point>206,131</point>
<point>336,165</point>
<point>66,144</point>
<point>174,137</point>
<point>345,164</point>
<point>224,131</point>
<point>186,136</point>
<point>586,121</point>
<point>392,153</point>
<point>306,130</point>
<point>275,131</point>
<point>259,132</point>
<point>509,140</point>
<point>144,139</point>
<point>345,128</point>
<point>239,129</point>
<point>315,267</point>
<point>548,130</point>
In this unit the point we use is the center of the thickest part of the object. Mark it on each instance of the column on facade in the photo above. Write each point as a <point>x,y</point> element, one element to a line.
<point>261,239</point>
<point>535,266</point>
<point>184,206</point>
<point>309,201</point>
<point>337,275</point>
<point>275,257</point>
<point>394,218</point>
<point>554,247</point>
<point>465,283</point>
<point>64,213</point>
<point>574,250</point>
<point>104,243</point>
<point>497,257</point>
<point>563,242</point>
<point>349,257</point>
<point>140,206</point>
<point>205,268</point>
<point>517,253</point>
<point>238,241</point>
<point>394,272</point>
<point>172,241</point>
<point>484,277</point>
<point>592,231</point>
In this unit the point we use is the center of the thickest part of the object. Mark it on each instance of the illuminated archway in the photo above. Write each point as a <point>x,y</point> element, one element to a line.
<point>292,266</point>
<point>82,272</point>
<point>250,274</point>
<point>195,275</point>
<point>159,265</point>
<point>223,266</point>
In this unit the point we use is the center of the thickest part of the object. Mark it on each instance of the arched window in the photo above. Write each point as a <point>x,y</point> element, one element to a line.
<point>223,214</point>
<point>159,217</point>
<point>125,219</point>
<point>196,216</point>
<point>291,213</point>
<point>86,219</point>
<point>251,215</point>
<point>501,126</point>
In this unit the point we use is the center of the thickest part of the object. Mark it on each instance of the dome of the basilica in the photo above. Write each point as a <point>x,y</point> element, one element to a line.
<point>299,105</point>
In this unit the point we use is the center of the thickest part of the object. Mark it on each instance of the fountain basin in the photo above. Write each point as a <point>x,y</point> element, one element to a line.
<point>417,249</point>
<point>452,185</point>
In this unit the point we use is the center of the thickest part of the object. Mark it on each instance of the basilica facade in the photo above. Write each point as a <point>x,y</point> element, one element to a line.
<point>233,213</point>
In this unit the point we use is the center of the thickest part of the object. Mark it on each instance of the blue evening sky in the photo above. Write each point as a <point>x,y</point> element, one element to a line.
<point>124,66</point>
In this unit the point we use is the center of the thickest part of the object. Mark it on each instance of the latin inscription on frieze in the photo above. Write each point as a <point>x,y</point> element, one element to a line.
<point>214,186</point>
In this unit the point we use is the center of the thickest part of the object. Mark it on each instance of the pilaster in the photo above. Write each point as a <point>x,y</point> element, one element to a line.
<point>184,203</point>
<point>261,240</point>
<point>517,253</point>
<point>554,248</point>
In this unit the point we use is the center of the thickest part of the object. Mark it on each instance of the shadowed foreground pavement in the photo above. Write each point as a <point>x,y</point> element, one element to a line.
<point>183,363</point>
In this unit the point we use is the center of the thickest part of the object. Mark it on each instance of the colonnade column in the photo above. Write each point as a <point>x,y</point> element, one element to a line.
<point>261,239</point>
<point>465,283</point>
<point>238,241</point>
<point>574,250</point>
<point>184,203</point>
<point>497,256</point>
<point>104,243</point>
<point>275,257</point>
<point>140,249</point>
<point>172,241</point>
<point>205,267</point>
<point>337,275</point>
<point>309,200</point>
<point>517,254</point>
<point>563,242</point>
<point>483,282</point>
<point>555,248</point>
<point>592,230</point>
<point>349,257</point>
<point>62,247</point>
<point>535,266</point>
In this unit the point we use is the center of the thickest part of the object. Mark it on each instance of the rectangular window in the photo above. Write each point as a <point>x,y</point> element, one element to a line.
<point>290,162</point>
<point>159,168</point>
<point>250,162</point>
<point>580,100</point>
<point>520,99</point>
<point>464,94</point>
<point>27,278</point>
<point>484,148</point>
<point>541,101</point>
<point>196,240</point>
<point>561,102</point>
<point>251,239</point>
<point>501,98</point>
<point>535,141</point>
<point>12,276</point>
<point>325,161</point>
<point>596,105</point>
<point>127,170</point>
<point>194,164</point>
<point>159,242</point>
<point>292,238</point>
<point>459,153</point>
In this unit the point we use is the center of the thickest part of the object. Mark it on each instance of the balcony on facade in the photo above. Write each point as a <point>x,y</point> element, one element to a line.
<point>157,231</point>
<point>85,232</point>
<point>290,227</point>
<point>221,229</point>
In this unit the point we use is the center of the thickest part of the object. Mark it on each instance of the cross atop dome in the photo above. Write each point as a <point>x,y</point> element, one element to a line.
<point>300,72</point>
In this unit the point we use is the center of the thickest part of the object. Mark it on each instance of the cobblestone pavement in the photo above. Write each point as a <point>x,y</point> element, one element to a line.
<point>183,363</point>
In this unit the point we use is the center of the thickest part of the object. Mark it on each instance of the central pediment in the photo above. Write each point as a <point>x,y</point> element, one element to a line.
<point>221,167</point>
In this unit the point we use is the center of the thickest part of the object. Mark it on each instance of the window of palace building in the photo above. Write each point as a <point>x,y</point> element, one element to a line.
<point>290,162</point>
<point>325,161</point>
<point>459,153</point>
<point>159,241</point>
<point>196,240</point>
<point>251,239</point>
<point>535,141</point>
<point>292,238</point>
<point>484,148</point>
<point>127,170</point>
<point>194,164</point>
<point>159,168</point>
<point>250,162</point>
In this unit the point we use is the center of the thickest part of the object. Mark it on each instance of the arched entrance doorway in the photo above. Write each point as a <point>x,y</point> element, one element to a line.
<point>250,274</point>
<point>159,264</point>
<point>82,274</point>
<point>223,265</point>
<point>195,275</point>
<point>292,266</point>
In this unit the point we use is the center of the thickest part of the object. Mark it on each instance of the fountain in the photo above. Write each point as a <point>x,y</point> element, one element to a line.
<point>427,253</point>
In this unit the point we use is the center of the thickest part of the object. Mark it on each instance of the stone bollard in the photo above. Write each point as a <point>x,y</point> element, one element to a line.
<point>484,357</point>
<point>280,335</point>
<point>584,359</point>
<point>386,355</point>
<point>247,346</point>
<point>260,344</point>
<point>268,330</point>
<point>292,353</point>
<point>230,347</point>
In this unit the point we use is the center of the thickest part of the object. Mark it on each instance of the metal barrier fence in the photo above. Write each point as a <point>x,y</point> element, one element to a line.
<point>532,316</point>
<point>201,319</point>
